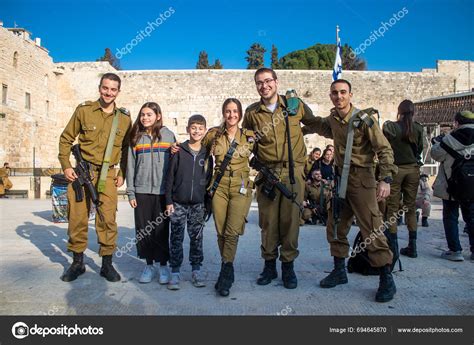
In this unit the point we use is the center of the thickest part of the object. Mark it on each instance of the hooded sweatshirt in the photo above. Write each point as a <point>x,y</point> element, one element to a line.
<point>460,140</point>
<point>148,163</point>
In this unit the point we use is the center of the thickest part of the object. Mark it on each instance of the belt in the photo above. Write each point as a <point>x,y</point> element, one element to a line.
<point>278,165</point>
<point>232,173</point>
<point>354,169</point>
<point>98,167</point>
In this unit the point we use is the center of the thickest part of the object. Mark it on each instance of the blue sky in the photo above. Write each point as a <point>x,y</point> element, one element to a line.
<point>80,30</point>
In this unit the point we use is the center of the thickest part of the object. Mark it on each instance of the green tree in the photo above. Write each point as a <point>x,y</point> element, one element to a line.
<point>255,56</point>
<point>321,56</point>
<point>203,61</point>
<point>217,64</point>
<point>350,61</point>
<point>110,58</point>
<point>275,64</point>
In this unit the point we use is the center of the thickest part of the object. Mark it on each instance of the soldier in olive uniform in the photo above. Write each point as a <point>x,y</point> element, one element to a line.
<point>406,139</point>
<point>363,192</point>
<point>92,122</point>
<point>316,196</point>
<point>233,196</point>
<point>279,219</point>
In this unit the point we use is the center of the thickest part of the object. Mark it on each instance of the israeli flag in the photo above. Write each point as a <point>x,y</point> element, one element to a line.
<point>337,71</point>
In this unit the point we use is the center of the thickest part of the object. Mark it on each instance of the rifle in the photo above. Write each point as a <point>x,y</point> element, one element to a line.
<point>270,182</point>
<point>336,203</point>
<point>84,178</point>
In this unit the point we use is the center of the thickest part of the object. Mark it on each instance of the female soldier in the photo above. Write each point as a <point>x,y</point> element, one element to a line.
<point>406,139</point>
<point>233,195</point>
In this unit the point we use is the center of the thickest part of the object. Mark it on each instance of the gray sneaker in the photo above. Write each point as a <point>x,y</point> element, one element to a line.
<point>197,279</point>
<point>148,274</point>
<point>173,284</point>
<point>452,256</point>
<point>164,275</point>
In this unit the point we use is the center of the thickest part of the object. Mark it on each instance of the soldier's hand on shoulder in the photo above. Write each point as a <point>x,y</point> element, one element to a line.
<point>70,174</point>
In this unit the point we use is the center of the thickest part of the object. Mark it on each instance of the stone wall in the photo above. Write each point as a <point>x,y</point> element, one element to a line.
<point>179,92</point>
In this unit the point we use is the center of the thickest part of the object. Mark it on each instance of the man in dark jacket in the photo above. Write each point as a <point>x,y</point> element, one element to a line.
<point>461,140</point>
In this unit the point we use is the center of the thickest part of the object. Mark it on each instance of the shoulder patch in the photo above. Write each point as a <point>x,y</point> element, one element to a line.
<point>124,111</point>
<point>249,134</point>
<point>85,103</point>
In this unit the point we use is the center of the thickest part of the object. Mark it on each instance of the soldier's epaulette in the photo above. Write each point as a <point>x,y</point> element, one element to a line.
<point>124,111</point>
<point>83,104</point>
<point>253,107</point>
<point>366,115</point>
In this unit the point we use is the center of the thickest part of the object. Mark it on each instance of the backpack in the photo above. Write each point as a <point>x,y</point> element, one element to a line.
<point>359,263</point>
<point>461,181</point>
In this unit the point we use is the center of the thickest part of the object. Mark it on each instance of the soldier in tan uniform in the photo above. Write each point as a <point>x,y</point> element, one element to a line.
<point>5,183</point>
<point>311,158</point>
<point>315,204</point>
<point>279,219</point>
<point>363,192</point>
<point>92,123</point>
<point>233,196</point>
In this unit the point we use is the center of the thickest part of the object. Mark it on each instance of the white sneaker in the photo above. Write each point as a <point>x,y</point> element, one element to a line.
<point>148,274</point>
<point>452,256</point>
<point>164,274</point>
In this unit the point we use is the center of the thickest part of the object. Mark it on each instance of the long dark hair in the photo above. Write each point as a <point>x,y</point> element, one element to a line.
<point>406,110</point>
<point>138,130</point>
<point>221,130</point>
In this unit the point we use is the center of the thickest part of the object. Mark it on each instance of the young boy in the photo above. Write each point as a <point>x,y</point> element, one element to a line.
<point>186,183</point>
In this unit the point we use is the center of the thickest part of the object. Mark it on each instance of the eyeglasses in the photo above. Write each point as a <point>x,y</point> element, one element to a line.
<point>265,82</point>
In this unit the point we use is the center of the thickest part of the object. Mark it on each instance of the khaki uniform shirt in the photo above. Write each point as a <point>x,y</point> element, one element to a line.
<point>272,147</point>
<point>240,158</point>
<point>93,126</point>
<point>368,142</point>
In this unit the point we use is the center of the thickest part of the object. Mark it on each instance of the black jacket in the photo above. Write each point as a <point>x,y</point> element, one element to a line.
<point>187,176</point>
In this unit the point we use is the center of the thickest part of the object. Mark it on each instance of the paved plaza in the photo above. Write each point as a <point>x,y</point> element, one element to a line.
<point>33,256</point>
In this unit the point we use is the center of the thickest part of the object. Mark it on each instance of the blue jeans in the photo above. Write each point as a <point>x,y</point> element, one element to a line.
<point>450,222</point>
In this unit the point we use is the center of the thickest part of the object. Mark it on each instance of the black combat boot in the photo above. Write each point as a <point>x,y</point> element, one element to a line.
<point>76,269</point>
<point>387,288</point>
<point>337,276</point>
<point>269,273</point>
<point>410,251</point>
<point>288,275</point>
<point>107,270</point>
<point>424,222</point>
<point>393,245</point>
<point>226,280</point>
<point>216,286</point>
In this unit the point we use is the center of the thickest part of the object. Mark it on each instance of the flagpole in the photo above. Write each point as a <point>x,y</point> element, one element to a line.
<point>337,35</point>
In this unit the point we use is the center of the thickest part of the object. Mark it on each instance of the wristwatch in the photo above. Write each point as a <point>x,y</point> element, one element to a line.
<point>388,179</point>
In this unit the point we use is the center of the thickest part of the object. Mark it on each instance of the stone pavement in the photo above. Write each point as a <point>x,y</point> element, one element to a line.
<point>33,256</point>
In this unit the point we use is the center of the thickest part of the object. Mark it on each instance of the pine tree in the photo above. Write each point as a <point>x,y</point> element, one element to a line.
<point>110,58</point>
<point>217,64</point>
<point>255,56</point>
<point>203,62</point>
<point>275,64</point>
